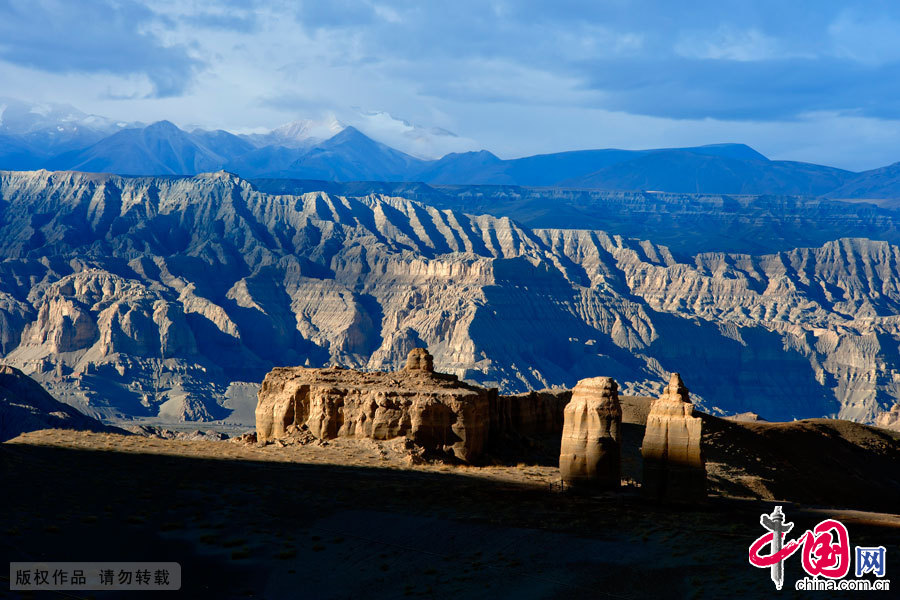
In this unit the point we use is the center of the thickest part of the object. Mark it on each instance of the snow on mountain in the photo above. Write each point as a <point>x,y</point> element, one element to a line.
<point>302,133</point>
<point>50,128</point>
<point>376,146</point>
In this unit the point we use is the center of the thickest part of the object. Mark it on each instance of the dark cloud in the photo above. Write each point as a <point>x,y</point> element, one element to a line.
<point>734,90</point>
<point>91,37</point>
<point>731,60</point>
<point>502,71</point>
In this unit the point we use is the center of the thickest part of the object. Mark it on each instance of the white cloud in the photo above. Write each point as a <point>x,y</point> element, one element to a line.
<point>422,141</point>
<point>387,14</point>
<point>518,78</point>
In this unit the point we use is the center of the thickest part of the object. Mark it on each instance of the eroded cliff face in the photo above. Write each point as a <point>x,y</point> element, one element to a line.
<point>145,296</point>
<point>434,410</point>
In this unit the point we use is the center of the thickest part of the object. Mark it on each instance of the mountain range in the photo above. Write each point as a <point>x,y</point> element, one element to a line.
<point>171,297</point>
<point>32,134</point>
<point>65,139</point>
<point>686,223</point>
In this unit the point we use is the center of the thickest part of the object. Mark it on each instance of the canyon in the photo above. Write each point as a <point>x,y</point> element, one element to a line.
<point>172,297</point>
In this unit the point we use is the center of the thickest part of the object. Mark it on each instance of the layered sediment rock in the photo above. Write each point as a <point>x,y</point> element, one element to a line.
<point>590,452</point>
<point>434,410</point>
<point>674,469</point>
<point>122,293</point>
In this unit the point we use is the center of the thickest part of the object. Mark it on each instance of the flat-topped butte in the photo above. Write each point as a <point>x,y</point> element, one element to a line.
<point>436,411</point>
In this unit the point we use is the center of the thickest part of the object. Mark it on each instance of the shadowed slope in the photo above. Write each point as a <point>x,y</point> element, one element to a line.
<point>26,406</point>
<point>260,525</point>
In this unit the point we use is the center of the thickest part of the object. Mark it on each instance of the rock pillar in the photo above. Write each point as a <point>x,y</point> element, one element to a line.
<point>590,451</point>
<point>674,470</point>
<point>418,359</point>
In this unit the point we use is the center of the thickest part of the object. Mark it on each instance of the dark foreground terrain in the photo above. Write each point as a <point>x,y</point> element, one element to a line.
<point>353,520</point>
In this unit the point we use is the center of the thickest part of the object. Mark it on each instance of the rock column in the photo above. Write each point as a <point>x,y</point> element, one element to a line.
<point>418,359</point>
<point>590,452</point>
<point>674,470</point>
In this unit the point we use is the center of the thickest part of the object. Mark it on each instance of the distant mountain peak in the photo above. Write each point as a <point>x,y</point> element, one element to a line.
<point>730,150</point>
<point>479,153</point>
<point>350,132</point>
<point>474,156</point>
<point>19,117</point>
<point>164,125</point>
<point>59,136</point>
<point>352,135</point>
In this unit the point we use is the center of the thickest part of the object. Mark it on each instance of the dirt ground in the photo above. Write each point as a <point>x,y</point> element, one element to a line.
<point>355,519</point>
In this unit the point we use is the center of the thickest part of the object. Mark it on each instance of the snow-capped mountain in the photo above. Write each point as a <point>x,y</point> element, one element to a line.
<point>302,133</point>
<point>60,137</point>
<point>50,128</point>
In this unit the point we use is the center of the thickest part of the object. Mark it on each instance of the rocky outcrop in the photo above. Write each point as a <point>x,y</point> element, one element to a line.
<point>434,410</point>
<point>674,470</point>
<point>890,419</point>
<point>26,406</point>
<point>590,452</point>
<point>419,360</point>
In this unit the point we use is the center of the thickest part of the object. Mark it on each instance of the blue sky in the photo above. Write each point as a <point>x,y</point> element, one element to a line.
<point>816,81</point>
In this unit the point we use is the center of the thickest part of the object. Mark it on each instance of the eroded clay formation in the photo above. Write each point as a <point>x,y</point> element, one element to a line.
<point>199,287</point>
<point>590,451</point>
<point>674,470</point>
<point>436,411</point>
<point>440,413</point>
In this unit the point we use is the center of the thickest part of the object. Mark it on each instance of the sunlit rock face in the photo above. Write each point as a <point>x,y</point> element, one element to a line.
<point>591,449</point>
<point>890,419</point>
<point>140,296</point>
<point>435,411</point>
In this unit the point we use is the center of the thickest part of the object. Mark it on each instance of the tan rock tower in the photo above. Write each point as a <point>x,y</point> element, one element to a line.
<point>674,470</point>
<point>590,452</point>
<point>418,359</point>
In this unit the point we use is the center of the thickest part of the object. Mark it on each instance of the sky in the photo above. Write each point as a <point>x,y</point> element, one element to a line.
<point>816,81</point>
